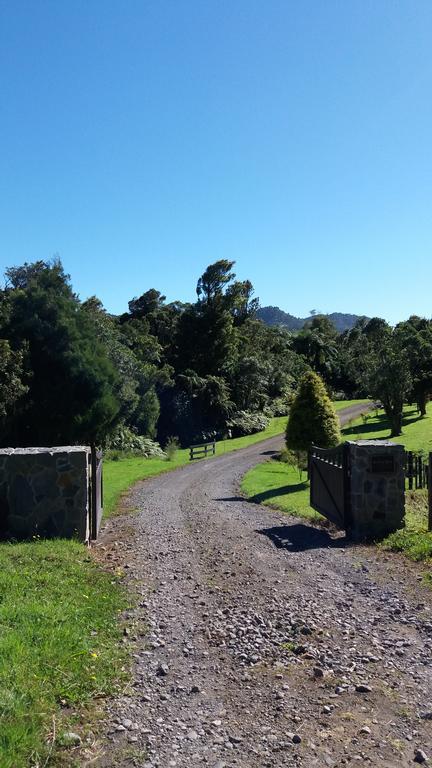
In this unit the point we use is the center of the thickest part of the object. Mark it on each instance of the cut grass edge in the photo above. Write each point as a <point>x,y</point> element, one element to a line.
<point>60,649</point>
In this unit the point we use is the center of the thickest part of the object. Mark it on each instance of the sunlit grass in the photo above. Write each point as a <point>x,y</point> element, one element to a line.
<point>59,644</point>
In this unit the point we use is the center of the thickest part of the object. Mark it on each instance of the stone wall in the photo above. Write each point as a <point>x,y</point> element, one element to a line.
<point>377,488</point>
<point>44,491</point>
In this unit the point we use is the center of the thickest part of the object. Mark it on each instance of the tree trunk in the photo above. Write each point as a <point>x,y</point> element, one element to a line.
<point>396,424</point>
<point>421,404</point>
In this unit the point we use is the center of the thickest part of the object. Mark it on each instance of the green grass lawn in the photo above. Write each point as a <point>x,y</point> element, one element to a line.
<point>119,476</point>
<point>416,432</point>
<point>338,405</point>
<point>59,646</point>
<point>278,485</point>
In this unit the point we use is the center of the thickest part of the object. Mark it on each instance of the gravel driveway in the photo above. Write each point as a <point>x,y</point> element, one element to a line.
<point>259,640</point>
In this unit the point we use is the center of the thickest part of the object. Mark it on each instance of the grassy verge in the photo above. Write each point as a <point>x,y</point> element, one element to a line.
<point>414,540</point>
<point>338,405</point>
<point>416,431</point>
<point>278,485</point>
<point>59,646</point>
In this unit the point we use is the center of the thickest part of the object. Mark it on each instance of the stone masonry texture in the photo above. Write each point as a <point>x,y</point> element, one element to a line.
<point>44,492</point>
<point>377,488</point>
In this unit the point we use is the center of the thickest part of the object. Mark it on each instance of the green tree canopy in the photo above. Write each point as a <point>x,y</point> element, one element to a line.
<point>387,373</point>
<point>12,386</point>
<point>415,336</point>
<point>212,282</point>
<point>317,343</point>
<point>71,381</point>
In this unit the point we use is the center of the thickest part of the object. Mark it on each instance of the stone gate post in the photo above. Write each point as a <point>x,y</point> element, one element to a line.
<point>376,491</point>
<point>45,492</point>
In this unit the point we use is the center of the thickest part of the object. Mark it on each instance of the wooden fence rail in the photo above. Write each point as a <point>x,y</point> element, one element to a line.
<point>417,471</point>
<point>201,451</point>
<point>418,475</point>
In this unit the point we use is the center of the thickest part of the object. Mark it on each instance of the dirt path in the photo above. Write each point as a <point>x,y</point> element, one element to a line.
<point>260,641</point>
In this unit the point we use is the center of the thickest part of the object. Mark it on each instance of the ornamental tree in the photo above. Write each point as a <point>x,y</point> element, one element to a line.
<point>312,420</point>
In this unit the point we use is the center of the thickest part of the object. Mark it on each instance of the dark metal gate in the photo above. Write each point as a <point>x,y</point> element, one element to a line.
<point>329,483</point>
<point>95,492</point>
<point>418,476</point>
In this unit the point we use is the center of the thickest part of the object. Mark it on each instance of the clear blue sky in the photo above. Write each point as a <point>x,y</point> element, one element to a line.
<point>143,139</point>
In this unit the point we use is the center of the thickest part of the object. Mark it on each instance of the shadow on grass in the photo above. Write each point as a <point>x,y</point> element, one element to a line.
<point>299,538</point>
<point>360,429</point>
<point>274,493</point>
<point>379,423</point>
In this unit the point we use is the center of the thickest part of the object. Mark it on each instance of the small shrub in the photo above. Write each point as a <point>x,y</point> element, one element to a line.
<point>287,457</point>
<point>126,442</point>
<point>247,423</point>
<point>296,459</point>
<point>279,406</point>
<point>339,396</point>
<point>113,455</point>
<point>171,448</point>
<point>290,457</point>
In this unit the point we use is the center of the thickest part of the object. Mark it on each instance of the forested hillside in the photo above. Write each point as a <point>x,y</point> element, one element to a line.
<point>275,316</point>
<point>70,372</point>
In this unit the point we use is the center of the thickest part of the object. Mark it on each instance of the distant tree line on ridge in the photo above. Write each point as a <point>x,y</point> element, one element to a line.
<point>275,316</point>
<point>70,372</point>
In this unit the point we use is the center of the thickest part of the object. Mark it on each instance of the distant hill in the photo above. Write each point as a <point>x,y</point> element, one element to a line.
<point>276,316</point>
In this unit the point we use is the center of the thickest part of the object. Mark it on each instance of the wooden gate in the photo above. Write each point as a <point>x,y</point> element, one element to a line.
<point>202,450</point>
<point>329,484</point>
<point>95,492</point>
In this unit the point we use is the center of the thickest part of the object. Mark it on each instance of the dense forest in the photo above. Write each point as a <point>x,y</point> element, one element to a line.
<point>70,372</point>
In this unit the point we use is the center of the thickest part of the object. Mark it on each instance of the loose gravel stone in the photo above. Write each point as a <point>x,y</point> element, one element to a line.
<point>363,688</point>
<point>162,669</point>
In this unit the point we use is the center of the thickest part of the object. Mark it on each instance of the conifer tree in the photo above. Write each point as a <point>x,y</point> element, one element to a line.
<point>313,420</point>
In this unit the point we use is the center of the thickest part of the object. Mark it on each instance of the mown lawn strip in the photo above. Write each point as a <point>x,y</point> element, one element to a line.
<point>59,645</point>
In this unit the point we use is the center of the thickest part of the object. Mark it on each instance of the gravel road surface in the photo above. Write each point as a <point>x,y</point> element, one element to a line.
<point>261,641</point>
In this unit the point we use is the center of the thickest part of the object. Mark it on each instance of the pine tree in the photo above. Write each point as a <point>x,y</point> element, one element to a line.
<point>313,420</point>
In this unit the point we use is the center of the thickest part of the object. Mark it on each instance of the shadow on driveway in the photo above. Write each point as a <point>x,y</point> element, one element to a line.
<point>298,538</point>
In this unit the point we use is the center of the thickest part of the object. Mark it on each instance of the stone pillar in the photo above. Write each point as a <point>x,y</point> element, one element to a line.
<point>376,488</point>
<point>44,492</point>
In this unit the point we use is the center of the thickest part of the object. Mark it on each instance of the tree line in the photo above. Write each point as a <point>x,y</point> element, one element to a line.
<point>70,372</point>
